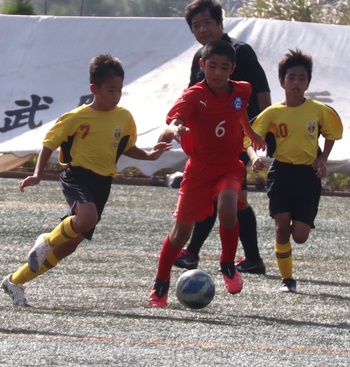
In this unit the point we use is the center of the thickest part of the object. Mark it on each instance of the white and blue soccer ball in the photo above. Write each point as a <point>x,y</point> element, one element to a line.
<point>195,289</point>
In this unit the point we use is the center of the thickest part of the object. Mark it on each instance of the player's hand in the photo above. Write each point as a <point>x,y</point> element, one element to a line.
<point>258,164</point>
<point>29,181</point>
<point>159,149</point>
<point>320,168</point>
<point>179,131</point>
<point>257,141</point>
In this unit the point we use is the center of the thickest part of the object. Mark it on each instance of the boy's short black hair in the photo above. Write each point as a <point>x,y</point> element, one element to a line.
<point>199,6</point>
<point>103,67</point>
<point>295,58</point>
<point>219,47</point>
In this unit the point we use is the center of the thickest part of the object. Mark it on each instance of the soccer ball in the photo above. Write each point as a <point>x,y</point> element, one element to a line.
<point>195,289</point>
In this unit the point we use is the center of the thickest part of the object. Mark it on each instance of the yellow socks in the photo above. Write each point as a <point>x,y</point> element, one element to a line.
<point>284,260</point>
<point>24,274</point>
<point>62,233</point>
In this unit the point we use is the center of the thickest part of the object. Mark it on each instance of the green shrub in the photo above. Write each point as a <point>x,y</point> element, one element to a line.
<point>315,11</point>
<point>19,7</point>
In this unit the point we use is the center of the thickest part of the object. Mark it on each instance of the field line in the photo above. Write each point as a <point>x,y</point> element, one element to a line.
<point>198,344</point>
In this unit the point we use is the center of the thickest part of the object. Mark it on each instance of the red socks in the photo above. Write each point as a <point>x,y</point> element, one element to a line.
<point>169,253</point>
<point>167,257</point>
<point>229,243</point>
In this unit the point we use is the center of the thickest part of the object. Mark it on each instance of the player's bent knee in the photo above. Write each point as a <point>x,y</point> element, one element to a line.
<point>84,223</point>
<point>228,219</point>
<point>300,232</point>
<point>300,238</point>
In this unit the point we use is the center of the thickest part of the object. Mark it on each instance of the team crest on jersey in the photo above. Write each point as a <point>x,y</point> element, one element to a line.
<point>311,126</point>
<point>237,103</point>
<point>117,131</point>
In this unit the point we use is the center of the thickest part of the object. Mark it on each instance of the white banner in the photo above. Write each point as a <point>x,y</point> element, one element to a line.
<point>45,73</point>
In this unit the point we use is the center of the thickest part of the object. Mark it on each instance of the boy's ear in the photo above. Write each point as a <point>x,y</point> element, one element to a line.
<point>201,64</point>
<point>282,83</point>
<point>233,68</point>
<point>93,88</point>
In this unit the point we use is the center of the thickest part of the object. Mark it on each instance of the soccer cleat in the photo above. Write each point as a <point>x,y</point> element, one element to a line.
<point>38,253</point>
<point>15,291</point>
<point>232,278</point>
<point>288,285</point>
<point>244,265</point>
<point>187,260</point>
<point>159,294</point>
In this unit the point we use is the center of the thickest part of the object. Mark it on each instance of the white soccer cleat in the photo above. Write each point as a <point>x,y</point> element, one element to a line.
<point>15,291</point>
<point>38,254</point>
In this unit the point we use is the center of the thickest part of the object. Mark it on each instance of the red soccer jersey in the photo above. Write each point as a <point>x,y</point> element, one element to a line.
<point>214,121</point>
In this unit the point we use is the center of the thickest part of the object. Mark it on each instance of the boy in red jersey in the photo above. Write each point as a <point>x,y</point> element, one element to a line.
<point>294,178</point>
<point>208,119</point>
<point>92,138</point>
<point>205,20</point>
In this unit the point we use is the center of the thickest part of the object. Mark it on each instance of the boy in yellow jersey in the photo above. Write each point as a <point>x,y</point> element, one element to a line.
<point>294,178</point>
<point>92,138</point>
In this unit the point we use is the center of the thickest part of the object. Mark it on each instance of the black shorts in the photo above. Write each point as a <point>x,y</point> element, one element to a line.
<point>294,189</point>
<point>84,186</point>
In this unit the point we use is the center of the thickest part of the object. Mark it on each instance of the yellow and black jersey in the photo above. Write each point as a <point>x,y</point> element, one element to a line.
<point>297,129</point>
<point>93,139</point>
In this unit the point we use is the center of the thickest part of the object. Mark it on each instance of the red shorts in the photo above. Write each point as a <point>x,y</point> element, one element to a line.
<point>201,184</point>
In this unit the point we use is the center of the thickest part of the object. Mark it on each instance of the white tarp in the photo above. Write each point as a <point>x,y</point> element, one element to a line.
<point>45,73</point>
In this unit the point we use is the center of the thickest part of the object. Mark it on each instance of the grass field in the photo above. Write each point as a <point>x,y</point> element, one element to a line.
<point>92,310</point>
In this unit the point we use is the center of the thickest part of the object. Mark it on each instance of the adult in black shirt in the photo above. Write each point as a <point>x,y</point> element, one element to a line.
<point>205,19</point>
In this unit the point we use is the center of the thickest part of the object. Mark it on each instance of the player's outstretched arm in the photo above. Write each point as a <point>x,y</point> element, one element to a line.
<point>43,158</point>
<point>256,140</point>
<point>141,154</point>
<point>174,131</point>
